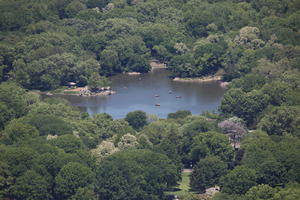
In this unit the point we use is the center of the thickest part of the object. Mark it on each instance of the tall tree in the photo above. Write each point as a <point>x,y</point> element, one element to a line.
<point>206,173</point>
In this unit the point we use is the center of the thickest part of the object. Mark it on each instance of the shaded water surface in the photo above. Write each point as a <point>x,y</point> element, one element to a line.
<point>145,91</point>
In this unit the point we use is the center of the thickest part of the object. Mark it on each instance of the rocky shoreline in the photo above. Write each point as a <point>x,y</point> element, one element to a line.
<point>134,73</point>
<point>80,91</point>
<point>86,92</point>
<point>201,79</point>
<point>223,84</point>
<point>155,64</point>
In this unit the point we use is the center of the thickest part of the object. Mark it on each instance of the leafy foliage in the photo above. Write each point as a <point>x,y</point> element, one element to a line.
<point>136,119</point>
<point>135,174</point>
<point>207,173</point>
<point>252,44</point>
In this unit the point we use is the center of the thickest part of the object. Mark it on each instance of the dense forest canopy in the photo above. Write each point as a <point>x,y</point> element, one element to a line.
<point>44,45</point>
<point>50,150</point>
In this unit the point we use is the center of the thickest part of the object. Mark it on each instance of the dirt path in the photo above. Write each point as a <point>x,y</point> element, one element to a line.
<point>188,170</point>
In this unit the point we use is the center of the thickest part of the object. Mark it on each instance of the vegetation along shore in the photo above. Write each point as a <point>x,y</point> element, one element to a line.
<point>50,150</point>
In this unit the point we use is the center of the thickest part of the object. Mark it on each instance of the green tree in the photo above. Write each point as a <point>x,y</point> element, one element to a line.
<point>278,92</point>
<point>211,143</point>
<point>136,119</point>
<point>31,186</point>
<point>183,65</point>
<point>155,132</point>
<point>179,114</point>
<point>281,120</point>
<point>110,61</point>
<point>69,143</point>
<point>171,144</point>
<point>238,181</point>
<point>206,173</point>
<point>225,196</point>
<point>260,192</point>
<point>244,105</point>
<point>135,174</point>
<point>58,109</point>
<point>14,98</point>
<point>85,193</point>
<point>96,3</point>
<point>52,161</point>
<point>209,56</point>
<point>125,54</point>
<point>5,115</point>
<point>290,192</point>
<point>49,124</point>
<point>249,82</point>
<point>17,131</point>
<point>96,82</point>
<point>194,128</point>
<point>288,155</point>
<point>261,157</point>
<point>72,177</point>
<point>73,8</point>
<point>18,159</point>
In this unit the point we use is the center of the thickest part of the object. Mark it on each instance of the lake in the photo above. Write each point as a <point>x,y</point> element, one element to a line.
<point>146,91</point>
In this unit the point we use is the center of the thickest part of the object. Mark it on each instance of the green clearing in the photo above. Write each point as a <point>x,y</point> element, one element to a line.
<point>182,191</point>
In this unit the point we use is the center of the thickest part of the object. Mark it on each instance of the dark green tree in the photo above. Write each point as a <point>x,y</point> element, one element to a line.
<point>5,115</point>
<point>260,192</point>
<point>179,114</point>
<point>85,193</point>
<point>72,177</point>
<point>49,124</point>
<point>14,98</point>
<point>238,181</point>
<point>244,105</point>
<point>18,159</point>
<point>211,143</point>
<point>73,8</point>
<point>206,173</point>
<point>135,174</point>
<point>281,120</point>
<point>16,132</point>
<point>136,119</point>
<point>96,82</point>
<point>31,186</point>
<point>69,143</point>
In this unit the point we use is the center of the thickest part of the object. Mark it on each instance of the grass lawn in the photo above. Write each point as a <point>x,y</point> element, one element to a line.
<point>185,182</point>
<point>183,189</point>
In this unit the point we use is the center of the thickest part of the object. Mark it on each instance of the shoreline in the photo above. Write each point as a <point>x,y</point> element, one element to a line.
<point>133,73</point>
<point>104,93</point>
<point>199,79</point>
<point>85,92</point>
<point>155,64</point>
<point>80,91</point>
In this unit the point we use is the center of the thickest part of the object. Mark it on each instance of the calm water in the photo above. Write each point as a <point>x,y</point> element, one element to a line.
<point>138,92</point>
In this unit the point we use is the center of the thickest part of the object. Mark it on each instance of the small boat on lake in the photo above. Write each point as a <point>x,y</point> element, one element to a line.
<point>157,104</point>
